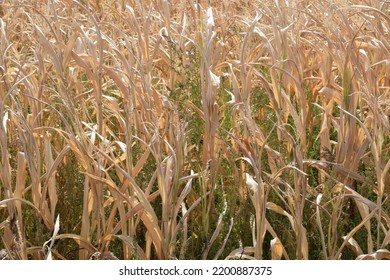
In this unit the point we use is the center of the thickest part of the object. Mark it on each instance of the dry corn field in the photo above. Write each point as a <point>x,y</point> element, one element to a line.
<point>195,129</point>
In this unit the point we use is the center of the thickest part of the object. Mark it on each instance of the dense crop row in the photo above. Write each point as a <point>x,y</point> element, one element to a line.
<point>194,130</point>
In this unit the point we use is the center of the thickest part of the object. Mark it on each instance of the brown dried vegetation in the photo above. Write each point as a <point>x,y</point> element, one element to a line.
<point>189,130</point>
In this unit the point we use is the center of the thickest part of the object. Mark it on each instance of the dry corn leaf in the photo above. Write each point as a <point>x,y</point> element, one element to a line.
<point>364,212</point>
<point>251,184</point>
<point>305,244</point>
<point>242,254</point>
<point>83,243</point>
<point>5,121</point>
<point>20,182</point>
<point>131,243</point>
<point>53,238</point>
<point>360,199</point>
<point>68,48</point>
<point>354,246</point>
<point>50,179</point>
<point>276,249</point>
<point>319,223</point>
<point>382,254</point>
<point>331,95</point>
<point>148,216</point>
<point>276,208</point>
<point>49,50</point>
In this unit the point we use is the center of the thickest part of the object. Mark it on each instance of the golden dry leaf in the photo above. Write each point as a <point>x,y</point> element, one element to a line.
<point>276,249</point>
